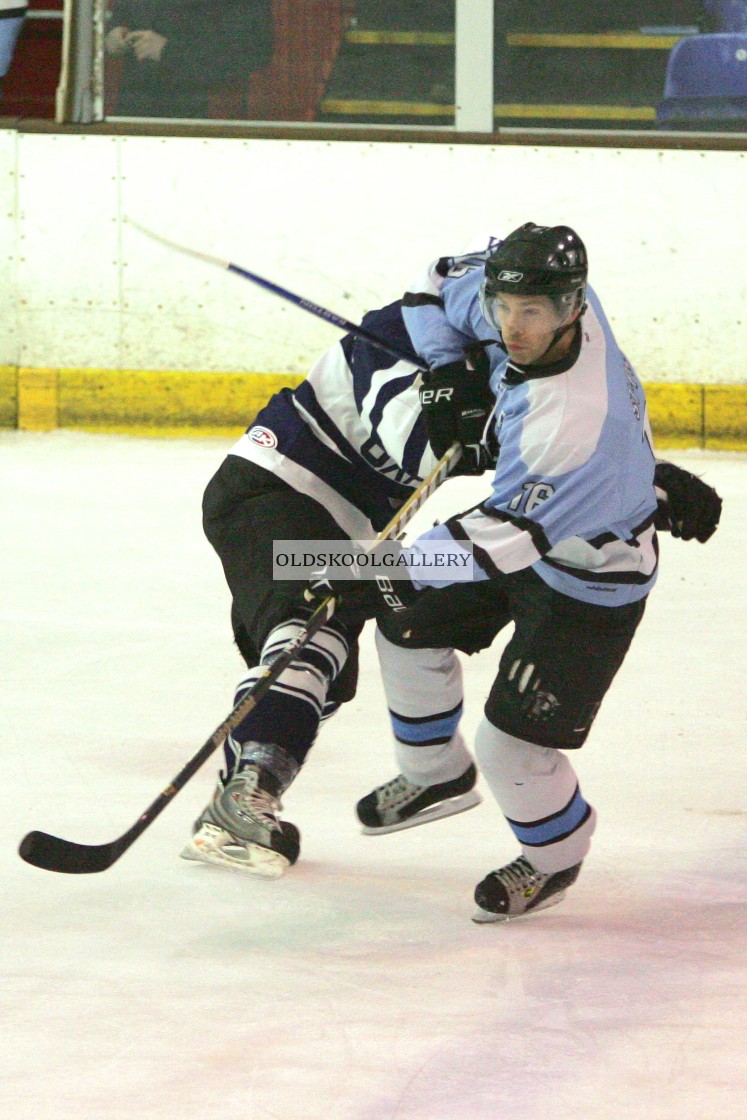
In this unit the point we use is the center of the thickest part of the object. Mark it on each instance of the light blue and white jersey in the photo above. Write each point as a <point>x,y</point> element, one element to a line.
<point>573,493</point>
<point>351,436</point>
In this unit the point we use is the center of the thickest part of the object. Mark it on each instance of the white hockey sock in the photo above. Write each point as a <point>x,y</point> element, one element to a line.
<point>537,790</point>
<point>424,694</point>
<point>429,766</point>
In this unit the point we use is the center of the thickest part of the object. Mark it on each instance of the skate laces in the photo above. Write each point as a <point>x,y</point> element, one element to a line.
<point>254,802</point>
<point>520,874</point>
<point>398,788</point>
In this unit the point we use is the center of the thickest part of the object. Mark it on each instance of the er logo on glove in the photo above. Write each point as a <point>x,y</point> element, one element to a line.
<point>457,402</point>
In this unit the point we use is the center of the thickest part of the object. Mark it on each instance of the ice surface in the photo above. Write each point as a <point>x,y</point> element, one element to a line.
<point>356,988</point>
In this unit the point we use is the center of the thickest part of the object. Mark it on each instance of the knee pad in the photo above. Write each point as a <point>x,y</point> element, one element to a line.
<point>511,760</point>
<point>419,682</point>
<point>538,793</point>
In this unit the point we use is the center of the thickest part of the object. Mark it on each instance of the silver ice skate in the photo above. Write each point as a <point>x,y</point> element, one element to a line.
<point>240,830</point>
<point>402,804</point>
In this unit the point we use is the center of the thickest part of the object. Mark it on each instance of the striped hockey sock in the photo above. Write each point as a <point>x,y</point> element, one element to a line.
<point>290,712</point>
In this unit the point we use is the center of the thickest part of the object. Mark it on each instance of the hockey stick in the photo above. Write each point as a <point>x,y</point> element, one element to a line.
<point>52,853</point>
<point>299,301</point>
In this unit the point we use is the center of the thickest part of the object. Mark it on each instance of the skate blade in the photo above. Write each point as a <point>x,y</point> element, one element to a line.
<point>483,917</point>
<point>221,850</point>
<point>448,808</point>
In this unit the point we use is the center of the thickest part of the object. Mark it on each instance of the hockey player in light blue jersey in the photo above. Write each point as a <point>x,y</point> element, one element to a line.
<point>573,494</point>
<point>333,459</point>
<point>564,547</point>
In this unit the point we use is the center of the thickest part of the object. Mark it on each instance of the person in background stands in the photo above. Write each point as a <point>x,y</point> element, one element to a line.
<point>176,51</point>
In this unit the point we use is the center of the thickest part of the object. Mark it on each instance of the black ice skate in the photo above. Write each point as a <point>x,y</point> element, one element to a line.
<point>402,804</point>
<point>239,829</point>
<point>518,888</point>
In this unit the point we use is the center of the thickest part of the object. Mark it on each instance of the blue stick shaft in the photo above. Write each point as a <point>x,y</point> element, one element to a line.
<point>324,313</point>
<point>276,290</point>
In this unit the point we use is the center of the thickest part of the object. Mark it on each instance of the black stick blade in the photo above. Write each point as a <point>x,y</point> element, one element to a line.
<point>52,853</point>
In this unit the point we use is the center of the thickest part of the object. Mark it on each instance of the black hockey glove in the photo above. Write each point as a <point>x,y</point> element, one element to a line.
<point>456,401</point>
<point>359,599</point>
<point>692,508</point>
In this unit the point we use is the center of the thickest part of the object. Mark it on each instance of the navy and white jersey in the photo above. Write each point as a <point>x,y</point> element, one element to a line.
<point>573,494</point>
<point>351,436</point>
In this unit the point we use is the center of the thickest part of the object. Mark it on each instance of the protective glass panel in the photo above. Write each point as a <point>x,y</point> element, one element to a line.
<point>633,65</point>
<point>315,61</point>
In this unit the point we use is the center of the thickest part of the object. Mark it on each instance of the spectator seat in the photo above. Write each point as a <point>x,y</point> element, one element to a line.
<point>706,84</point>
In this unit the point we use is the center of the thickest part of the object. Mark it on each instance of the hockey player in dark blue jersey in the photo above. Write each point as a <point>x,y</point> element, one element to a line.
<point>332,460</point>
<point>564,547</point>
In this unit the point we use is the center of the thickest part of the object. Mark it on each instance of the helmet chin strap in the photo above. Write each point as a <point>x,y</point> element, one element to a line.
<point>559,333</point>
<point>556,337</point>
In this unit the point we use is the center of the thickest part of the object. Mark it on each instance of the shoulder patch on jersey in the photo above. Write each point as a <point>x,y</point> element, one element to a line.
<point>263,436</point>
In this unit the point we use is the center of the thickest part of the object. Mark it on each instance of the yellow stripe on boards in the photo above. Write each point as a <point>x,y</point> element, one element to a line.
<point>8,397</point>
<point>186,403</point>
<point>38,399</point>
<point>725,417</point>
<point>177,398</point>
<point>676,413</point>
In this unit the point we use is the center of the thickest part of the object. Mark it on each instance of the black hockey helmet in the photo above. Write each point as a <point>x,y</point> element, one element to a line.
<point>537,261</point>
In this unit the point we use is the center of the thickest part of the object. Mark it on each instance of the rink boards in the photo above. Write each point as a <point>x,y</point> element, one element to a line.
<point>101,328</point>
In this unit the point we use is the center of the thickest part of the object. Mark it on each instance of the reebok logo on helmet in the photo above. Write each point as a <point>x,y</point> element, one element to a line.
<point>511,277</point>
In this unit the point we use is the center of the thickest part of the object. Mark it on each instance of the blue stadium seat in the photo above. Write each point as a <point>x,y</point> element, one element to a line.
<point>726,15</point>
<point>706,84</point>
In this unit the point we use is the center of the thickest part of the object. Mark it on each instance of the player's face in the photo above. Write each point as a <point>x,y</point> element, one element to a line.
<point>527,324</point>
